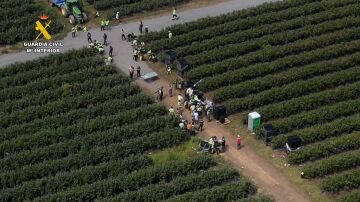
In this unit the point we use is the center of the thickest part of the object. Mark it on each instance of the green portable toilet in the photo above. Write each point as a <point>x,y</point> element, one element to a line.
<point>254,120</point>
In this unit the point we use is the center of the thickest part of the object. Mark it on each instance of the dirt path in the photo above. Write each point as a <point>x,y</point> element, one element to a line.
<point>268,178</point>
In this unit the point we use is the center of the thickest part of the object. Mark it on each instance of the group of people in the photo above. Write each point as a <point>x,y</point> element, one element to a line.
<point>217,145</point>
<point>132,72</point>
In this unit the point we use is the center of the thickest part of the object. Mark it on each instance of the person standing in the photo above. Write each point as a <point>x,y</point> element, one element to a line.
<point>238,142</point>
<point>123,37</point>
<point>170,90</point>
<point>138,71</point>
<point>189,128</point>
<point>223,144</point>
<point>141,27</point>
<point>131,71</point>
<point>146,29</point>
<point>170,35</point>
<point>174,16</point>
<point>161,93</point>
<point>201,124</point>
<point>102,24</point>
<point>89,37</point>
<point>105,39</point>
<point>73,31</point>
<point>117,16</point>
<point>135,54</point>
<point>111,51</point>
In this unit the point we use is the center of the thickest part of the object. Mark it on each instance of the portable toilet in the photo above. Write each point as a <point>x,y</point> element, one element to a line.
<point>253,121</point>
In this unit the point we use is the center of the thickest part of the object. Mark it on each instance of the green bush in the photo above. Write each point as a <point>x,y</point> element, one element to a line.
<point>347,180</point>
<point>353,196</point>
<point>134,181</point>
<point>325,148</point>
<point>333,164</point>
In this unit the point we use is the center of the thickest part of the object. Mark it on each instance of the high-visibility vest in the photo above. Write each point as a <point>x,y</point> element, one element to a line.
<point>102,23</point>
<point>85,29</point>
<point>170,35</point>
<point>107,22</point>
<point>73,29</point>
<point>174,12</point>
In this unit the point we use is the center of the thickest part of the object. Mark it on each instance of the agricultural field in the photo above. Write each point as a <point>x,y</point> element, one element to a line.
<point>130,7</point>
<point>18,19</point>
<point>72,128</point>
<point>296,62</point>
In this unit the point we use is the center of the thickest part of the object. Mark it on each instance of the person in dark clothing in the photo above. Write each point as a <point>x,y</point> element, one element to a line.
<point>131,71</point>
<point>161,93</point>
<point>201,124</point>
<point>123,37</point>
<point>223,144</point>
<point>111,51</point>
<point>89,37</point>
<point>141,27</point>
<point>105,39</point>
<point>138,70</point>
<point>146,29</point>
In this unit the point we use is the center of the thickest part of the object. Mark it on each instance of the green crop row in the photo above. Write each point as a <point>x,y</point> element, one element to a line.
<point>66,92</point>
<point>190,183</point>
<point>284,46</point>
<point>80,128</point>
<point>133,181</point>
<point>27,173</point>
<point>16,27</point>
<point>223,22</point>
<point>325,148</point>
<point>51,109</point>
<point>307,102</point>
<point>108,108</point>
<point>347,180</point>
<point>300,25</point>
<point>353,196</point>
<point>258,198</point>
<point>42,62</point>
<point>23,78</point>
<point>225,18</point>
<point>270,53</point>
<point>85,175</point>
<point>333,164</point>
<point>281,64</point>
<point>52,122</point>
<point>321,131</point>
<point>232,77</point>
<point>240,25</point>
<point>94,71</point>
<point>295,89</point>
<point>227,192</point>
<point>317,116</point>
<point>263,83</point>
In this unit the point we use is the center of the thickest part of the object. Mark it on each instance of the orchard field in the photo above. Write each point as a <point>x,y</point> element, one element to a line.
<point>296,62</point>
<point>18,19</point>
<point>72,128</point>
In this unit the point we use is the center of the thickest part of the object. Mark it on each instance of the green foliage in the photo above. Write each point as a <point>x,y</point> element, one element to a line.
<point>325,148</point>
<point>321,115</point>
<point>321,131</point>
<point>115,134</point>
<point>134,181</point>
<point>190,183</point>
<point>228,192</point>
<point>353,196</point>
<point>85,175</point>
<point>295,89</point>
<point>225,18</point>
<point>16,27</point>
<point>269,81</point>
<point>333,164</point>
<point>347,180</point>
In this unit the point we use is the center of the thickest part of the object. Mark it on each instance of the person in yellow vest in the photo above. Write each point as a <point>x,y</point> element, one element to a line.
<point>174,16</point>
<point>102,24</point>
<point>107,23</point>
<point>73,31</point>
<point>170,35</point>
<point>85,29</point>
